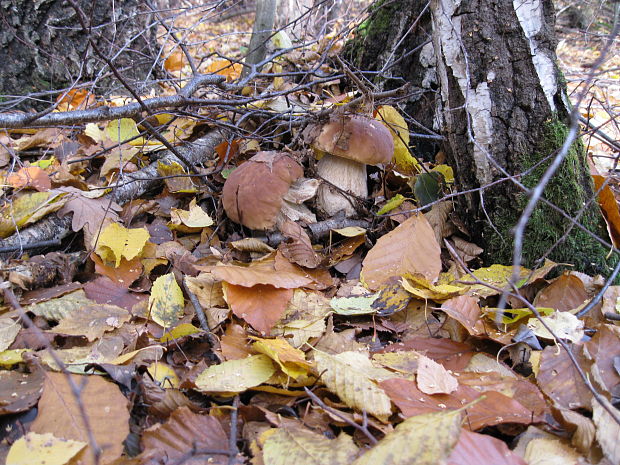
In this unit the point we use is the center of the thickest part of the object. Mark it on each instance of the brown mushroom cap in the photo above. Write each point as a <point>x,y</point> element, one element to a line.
<point>253,193</point>
<point>357,138</point>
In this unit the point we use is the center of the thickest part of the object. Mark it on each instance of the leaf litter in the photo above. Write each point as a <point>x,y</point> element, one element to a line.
<point>359,343</point>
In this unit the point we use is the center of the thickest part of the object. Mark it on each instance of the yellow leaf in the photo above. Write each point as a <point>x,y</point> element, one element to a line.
<point>42,449</point>
<point>391,204</point>
<point>446,171</point>
<point>496,275</point>
<point>28,208</point>
<point>235,376</point>
<point>116,242</point>
<point>304,318</point>
<point>350,231</point>
<point>421,440</point>
<point>190,220</point>
<point>405,162</point>
<point>8,358</point>
<point>164,375</point>
<point>422,289</point>
<point>512,315</point>
<point>176,178</point>
<point>166,301</point>
<point>291,361</point>
<point>121,130</point>
<point>298,446</point>
<point>348,379</point>
<point>185,329</point>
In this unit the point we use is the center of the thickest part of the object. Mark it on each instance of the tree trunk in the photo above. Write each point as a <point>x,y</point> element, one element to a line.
<point>43,46</point>
<point>503,111</point>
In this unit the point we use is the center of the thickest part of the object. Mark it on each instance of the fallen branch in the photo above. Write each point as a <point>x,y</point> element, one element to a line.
<point>54,228</point>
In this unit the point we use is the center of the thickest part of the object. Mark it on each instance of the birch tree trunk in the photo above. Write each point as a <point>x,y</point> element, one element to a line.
<point>43,46</point>
<point>490,84</point>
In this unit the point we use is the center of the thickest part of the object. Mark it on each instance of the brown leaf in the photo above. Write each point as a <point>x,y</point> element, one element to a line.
<point>452,355</point>
<point>186,431</point>
<point>465,310</point>
<point>89,214</point>
<point>104,405</point>
<point>261,305</point>
<point>124,274</point>
<point>104,291</point>
<point>410,248</point>
<point>298,249</point>
<point>30,177</point>
<point>558,378</point>
<point>494,409</point>
<point>565,293</point>
<point>19,391</point>
<point>481,449</point>
<point>604,349</point>
<point>235,344</point>
<point>92,321</point>
<point>263,274</point>
<point>609,206</point>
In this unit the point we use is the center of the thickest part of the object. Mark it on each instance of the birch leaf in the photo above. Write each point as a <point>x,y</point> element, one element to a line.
<point>353,385</point>
<point>166,301</point>
<point>421,440</point>
<point>116,242</point>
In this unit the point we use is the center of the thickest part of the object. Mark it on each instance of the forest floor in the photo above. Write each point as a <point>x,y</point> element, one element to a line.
<point>166,333</point>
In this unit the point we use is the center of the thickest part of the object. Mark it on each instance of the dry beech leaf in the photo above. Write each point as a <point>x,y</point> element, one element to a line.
<point>604,349</point>
<point>495,409</point>
<point>353,385</point>
<point>105,406</point>
<point>92,321</point>
<point>234,376</point>
<point>465,310</point>
<point>60,307</point>
<point>481,449</point>
<point>43,449</point>
<point>104,291</point>
<point>19,391</point>
<point>433,378</point>
<point>298,249</point>
<point>410,248</point>
<point>565,293</point>
<point>300,446</point>
<point>422,440</point>
<point>30,176</point>
<point>185,431</point>
<point>259,274</point>
<point>291,361</point>
<point>607,429</point>
<point>124,275</point>
<point>451,354</point>
<point>207,289</point>
<point>235,344</point>
<point>559,380</point>
<point>261,305</point>
<point>8,331</point>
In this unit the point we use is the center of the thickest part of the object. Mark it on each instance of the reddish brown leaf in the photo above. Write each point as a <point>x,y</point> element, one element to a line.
<point>604,349</point>
<point>104,405</point>
<point>186,431</point>
<point>494,409</point>
<point>452,355</point>
<point>30,177</point>
<point>261,305</point>
<point>465,310</point>
<point>41,295</point>
<point>235,344</point>
<point>298,249</point>
<point>565,293</point>
<point>480,449</point>
<point>19,391</point>
<point>559,379</point>
<point>609,206</point>
<point>123,275</point>
<point>104,291</point>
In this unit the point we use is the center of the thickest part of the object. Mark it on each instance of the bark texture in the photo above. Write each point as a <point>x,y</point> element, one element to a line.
<point>43,47</point>
<point>504,112</point>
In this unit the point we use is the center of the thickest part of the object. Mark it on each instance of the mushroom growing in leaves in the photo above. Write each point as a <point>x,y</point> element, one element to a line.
<point>350,143</point>
<point>253,193</point>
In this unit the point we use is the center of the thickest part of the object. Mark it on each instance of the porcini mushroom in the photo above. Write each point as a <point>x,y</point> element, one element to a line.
<point>351,143</point>
<point>253,193</point>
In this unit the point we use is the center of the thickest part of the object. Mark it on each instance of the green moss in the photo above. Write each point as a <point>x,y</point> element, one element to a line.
<point>371,32</point>
<point>570,188</point>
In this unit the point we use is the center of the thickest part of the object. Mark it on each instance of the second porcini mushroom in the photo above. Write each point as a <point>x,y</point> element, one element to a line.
<point>253,194</point>
<point>350,143</point>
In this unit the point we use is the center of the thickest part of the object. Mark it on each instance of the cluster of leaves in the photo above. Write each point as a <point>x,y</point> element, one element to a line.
<point>170,336</point>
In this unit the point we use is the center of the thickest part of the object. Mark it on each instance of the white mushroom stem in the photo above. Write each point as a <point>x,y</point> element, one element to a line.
<point>348,175</point>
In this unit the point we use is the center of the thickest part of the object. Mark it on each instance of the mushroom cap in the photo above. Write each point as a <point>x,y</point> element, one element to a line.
<point>253,193</point>
<point>357,138</point>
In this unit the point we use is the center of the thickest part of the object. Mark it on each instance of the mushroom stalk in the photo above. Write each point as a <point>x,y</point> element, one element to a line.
<point>348,175</point>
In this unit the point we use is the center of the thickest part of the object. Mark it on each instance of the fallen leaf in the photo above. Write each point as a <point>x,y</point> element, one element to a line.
<point>433,378</point>
<point>166,302</point>
<point>92,321</point>
<point>234,376</point>
<point>410,248</point>
<point>43,449</point>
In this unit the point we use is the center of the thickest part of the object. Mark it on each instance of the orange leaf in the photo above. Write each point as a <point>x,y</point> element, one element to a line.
<point>232,71</point>
<point>261,305</point>
<point>175,61</point>
<point>609,205</point>
<point>30,176</point>
<point>75,99</point>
